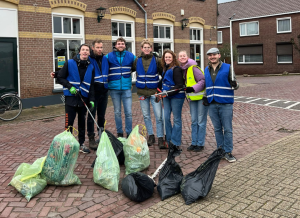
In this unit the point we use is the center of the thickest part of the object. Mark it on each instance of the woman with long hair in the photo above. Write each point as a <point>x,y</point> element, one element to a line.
<point>172,79</point>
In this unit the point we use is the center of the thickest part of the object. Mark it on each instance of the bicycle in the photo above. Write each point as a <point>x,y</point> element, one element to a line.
<point>10,105</point>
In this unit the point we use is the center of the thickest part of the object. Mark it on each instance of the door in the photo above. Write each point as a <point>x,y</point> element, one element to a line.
<point>8,64</point>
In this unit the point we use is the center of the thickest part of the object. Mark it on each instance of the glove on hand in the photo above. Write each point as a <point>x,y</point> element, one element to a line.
<point>233,84</point>
<point>205,101</point>
<point>92,105</point>
<point>189,89</point>
<point>73,90</point>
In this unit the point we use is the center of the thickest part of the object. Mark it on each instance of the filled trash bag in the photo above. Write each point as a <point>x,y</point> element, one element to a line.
<point>61,160</point>
<point>106,170</point>
<point>117,146</point>
<point>198,183</point>
<point>138,186</point>
<point>27,178</point>
<point>136,151</point>
<point>170,178</point>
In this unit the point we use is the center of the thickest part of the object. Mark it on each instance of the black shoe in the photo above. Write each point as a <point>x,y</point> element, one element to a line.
<point>120,135</point>
<point>176,150</point>
<point>229,157</point>
<point>151,140</point>
<point>84,149</point>
<point>198,148</point>
<point>92,143</point>
<point>161,142</point>
<point>191,148</point>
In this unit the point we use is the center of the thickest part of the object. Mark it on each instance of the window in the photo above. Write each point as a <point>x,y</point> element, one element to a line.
<point>220,39</point>
<point>196,45</point>
<point>284,53</point>
<point>249,29</point>
<point>163,38</point>
<point>123,29</point>
<point>284,25</point>
<point>68,35</point>
<point>250,54</point>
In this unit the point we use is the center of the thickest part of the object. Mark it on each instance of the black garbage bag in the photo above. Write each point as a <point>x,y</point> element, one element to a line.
<point>170,178</point>
<point>117,146</point>
<point>138,186</point>
<point>198,183</point>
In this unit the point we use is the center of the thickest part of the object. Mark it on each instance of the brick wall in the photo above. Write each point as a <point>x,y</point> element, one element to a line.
<point>268,37</point>
<point>35,26</point>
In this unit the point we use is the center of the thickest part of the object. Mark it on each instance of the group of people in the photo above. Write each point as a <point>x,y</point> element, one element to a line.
<point>164,83</point>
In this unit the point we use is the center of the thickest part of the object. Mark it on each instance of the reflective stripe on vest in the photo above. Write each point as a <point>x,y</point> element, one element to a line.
<point>190,81</point>
<point>101,76</point>
<point>220,91</point>
<point>74,79</point>
<point>149,79</point>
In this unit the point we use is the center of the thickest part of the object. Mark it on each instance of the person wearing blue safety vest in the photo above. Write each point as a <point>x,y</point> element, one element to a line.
<point>120,83</point>
<point>148,67</point>
<point>172,83</point>
<point>101,66</point>
<point>77,76</point>
<point>220,84</point>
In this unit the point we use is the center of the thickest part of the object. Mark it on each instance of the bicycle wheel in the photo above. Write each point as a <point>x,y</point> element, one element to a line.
<point>10,107</point>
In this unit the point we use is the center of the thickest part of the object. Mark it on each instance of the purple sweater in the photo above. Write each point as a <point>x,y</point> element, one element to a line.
<point>199,77</point>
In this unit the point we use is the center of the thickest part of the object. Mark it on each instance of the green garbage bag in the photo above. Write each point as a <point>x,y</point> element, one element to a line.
<point>27,179</point>
<point>136,151</point>
<point>106,170</point>
<point>61,160</point>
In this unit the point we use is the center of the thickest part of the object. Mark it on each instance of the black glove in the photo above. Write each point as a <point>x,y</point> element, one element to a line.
<point>205,101</point>
<point>189,89</point>
<point>233,84</point>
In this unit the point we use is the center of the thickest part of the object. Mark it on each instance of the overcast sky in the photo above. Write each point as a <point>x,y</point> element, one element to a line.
<point>221,1</point>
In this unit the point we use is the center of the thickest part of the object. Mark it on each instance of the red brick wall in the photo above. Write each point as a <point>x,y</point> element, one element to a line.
<point>36,54</point>
<point>268,36</point>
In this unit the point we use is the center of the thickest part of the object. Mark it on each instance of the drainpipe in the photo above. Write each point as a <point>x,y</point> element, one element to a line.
<point>145,17</point>
<point>231,49</point>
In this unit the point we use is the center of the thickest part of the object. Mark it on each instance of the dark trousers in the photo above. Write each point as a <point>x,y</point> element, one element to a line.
<point>100,107</point>
<point>70,117</point>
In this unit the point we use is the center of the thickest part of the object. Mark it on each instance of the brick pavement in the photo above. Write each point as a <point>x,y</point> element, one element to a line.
<point>255,126</point>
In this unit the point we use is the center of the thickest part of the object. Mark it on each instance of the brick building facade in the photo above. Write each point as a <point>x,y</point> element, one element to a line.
<point>40,34</point>
<point>267,35</point>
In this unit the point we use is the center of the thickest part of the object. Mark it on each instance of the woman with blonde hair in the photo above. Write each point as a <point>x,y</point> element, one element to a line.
<point>172,79</point>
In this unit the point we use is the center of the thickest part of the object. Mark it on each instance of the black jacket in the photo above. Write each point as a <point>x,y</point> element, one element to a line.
<point>62,75</point>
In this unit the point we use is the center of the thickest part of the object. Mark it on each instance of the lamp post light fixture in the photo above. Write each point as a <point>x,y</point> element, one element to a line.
<point>101,13</point>
<point>184,22</point>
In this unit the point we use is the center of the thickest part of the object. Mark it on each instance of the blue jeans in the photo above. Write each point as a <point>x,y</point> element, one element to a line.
<point>221,117</point>
<point>145,105</point>
<point>126,97</point>
<point>199,119</point>
<point>174,133</point>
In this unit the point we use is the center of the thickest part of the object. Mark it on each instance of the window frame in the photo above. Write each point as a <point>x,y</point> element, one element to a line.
<point>292,55</point>
<point>284,18</point>
<point>128,39</point>
<point>246,29</point>
<point>200,42</point>
<point>164,40</point>
<point>250,62</point>
<point>63,36</point>
<point>221,41</point>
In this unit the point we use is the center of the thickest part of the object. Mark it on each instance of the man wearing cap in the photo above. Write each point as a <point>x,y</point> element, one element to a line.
<point>220,84</point>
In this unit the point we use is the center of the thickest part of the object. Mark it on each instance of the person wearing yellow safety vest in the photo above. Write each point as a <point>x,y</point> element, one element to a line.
<point>195,83</point>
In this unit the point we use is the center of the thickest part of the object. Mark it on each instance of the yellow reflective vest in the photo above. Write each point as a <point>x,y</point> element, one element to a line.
<point>190,81</point>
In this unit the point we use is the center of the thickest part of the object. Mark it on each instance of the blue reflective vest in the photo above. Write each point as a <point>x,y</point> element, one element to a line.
<point>149,79</point>
<point>74,79</point>
<point>220,91</point>
<point>117,70</point>
<point>168,84</point>
<point>101,75</point>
